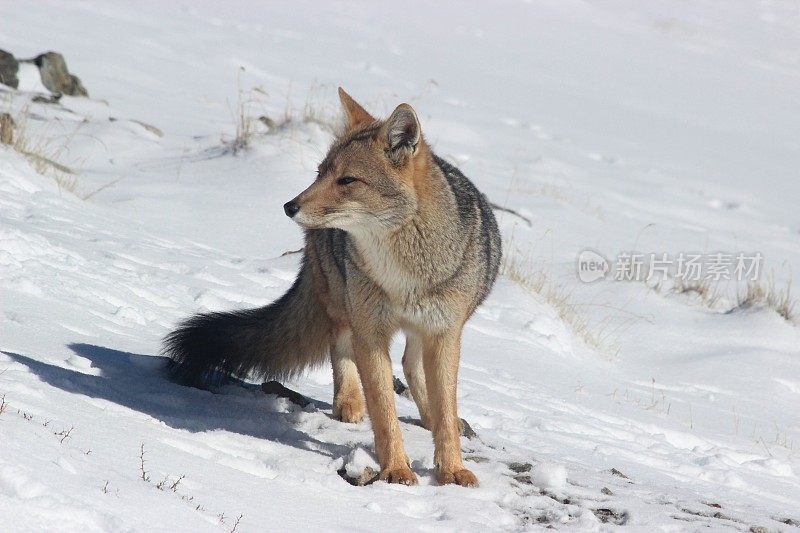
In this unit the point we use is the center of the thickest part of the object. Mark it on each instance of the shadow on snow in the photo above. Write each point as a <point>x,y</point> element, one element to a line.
<point>139,382</point>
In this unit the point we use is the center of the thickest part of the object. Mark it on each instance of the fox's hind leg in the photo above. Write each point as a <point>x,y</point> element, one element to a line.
<point>415,376</point>
<point>348,401</point>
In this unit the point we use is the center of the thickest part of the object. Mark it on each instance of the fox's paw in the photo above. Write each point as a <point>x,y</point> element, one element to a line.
<point>462,477</point>
<point>402,475</point>
<point>350,411</point>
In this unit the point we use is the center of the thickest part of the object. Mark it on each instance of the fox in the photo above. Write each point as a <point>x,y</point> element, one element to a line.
<point>396,240</point>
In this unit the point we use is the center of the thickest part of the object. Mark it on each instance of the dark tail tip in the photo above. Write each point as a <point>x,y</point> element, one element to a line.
<point>195,360</point>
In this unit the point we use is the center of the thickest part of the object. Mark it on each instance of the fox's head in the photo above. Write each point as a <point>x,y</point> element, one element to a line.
<point>367,180</point>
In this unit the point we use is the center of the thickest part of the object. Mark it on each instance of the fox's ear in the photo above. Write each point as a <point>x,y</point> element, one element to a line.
<point>402,131</point>
<point>356,115</point>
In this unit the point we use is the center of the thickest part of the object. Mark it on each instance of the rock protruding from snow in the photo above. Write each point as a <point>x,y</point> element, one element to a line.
<point>8,69</point>
<point>56,77</point>
<point>360,468</point>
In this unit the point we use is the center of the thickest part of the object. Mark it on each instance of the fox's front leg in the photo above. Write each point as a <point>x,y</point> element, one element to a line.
<point>348,402</point>
<point>440,359</point>
<point>375,369</point>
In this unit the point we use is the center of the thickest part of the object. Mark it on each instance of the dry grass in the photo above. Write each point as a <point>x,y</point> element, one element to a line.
<point>524,272</point>
<point>243,120</point>
<point>44,152</point>
<point>707,293</point>
<point>755,294</point>
<point>250,120</point>
<point>766,294</point>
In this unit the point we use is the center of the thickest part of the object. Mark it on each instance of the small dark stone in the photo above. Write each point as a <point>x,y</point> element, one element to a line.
<point>268,122</point>
<point>50,99</point>
<point>609,515</point>
<point>520,468</point>
<point>606,491</point>
<point>367,477</point>
<point>401,388</point>
<point>56,77</point>
<point>467,431</point>
<point>524,478</point>
<point>273,387</point>
<point>9,67</point>
<point>617,473</point>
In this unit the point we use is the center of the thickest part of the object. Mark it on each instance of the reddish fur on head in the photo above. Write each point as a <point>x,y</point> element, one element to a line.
<point>372,175</point>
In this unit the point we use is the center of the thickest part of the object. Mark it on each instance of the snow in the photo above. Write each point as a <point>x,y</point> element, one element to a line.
<point>549,475</point>
<point>660,127</point>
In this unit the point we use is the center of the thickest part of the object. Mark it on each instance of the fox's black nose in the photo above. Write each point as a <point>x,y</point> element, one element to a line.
<point>291,208</point>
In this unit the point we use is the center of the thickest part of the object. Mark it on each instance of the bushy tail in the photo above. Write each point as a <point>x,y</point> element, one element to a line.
<point>277,341</point>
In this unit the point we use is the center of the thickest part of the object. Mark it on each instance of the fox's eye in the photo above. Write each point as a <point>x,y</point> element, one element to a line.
<point>345,180</point>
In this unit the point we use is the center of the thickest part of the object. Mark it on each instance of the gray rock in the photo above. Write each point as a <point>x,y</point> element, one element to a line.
<point>273,387</point>
<point>520,468</point>
<point>9,67</point>
<point>367,477</point>
<point>467,431</point>
<point>617,473</point>
<point>56,76</point>
<point>401,389</point>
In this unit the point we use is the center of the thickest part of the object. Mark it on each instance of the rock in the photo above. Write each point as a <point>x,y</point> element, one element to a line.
<point>368,476</point>
<point>606,491</point>
<point>9,67</point>
<point>50,99</point>
<point>467,431</point>
<point>56,76</point>
<point>401,389</point>
<point>617,473</point>
<point>273,387</point>
<point>360,468</point>
<point>520,468</point>
<point>611,516</point>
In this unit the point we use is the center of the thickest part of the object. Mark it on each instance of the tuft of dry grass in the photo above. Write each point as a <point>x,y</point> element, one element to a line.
<point>522,271</point>
<point>247,117</point>
<point>707,293</point>
<point>767,294</point>
<point>44,153</point>
<point>755,294</point>
<point>245,125</point>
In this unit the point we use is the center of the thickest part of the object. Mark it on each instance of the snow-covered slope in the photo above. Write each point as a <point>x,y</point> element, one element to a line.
<point>658,127</point>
